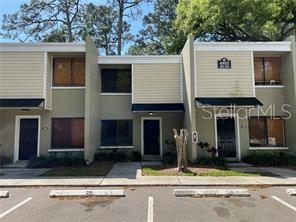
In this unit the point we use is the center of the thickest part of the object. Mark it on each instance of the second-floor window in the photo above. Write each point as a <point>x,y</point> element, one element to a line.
<point>116,80</point>
<point>69,72</point>
<point>268,71</point>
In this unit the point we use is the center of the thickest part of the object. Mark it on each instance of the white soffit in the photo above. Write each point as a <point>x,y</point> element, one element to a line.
<point>41,47</point>
<point>243,46</point>
<point>139,59</point>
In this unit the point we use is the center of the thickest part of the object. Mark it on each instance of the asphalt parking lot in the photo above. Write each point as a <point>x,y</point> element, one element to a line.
<point>34,205</point>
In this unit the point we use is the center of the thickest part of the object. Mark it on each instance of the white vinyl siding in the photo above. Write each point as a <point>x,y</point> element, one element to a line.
<point>214,82</point>
<point>156,83</point>
<point>21,74</point>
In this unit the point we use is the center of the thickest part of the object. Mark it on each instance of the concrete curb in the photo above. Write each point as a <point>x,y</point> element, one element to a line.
<point>211,192</point>
<point>4,194</point>
<point>150,185</point>
<point>291,192</point>
<point>86,193</point>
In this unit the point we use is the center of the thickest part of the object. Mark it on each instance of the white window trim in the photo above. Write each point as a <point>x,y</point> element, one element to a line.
<point>237,133</point>
<point>142,133</point>
<point>66,150</point>
<point>115,94</point>
<point>269,148</point>
<point>17,134</point>
<point>116,147</point>
<point>68,87</point>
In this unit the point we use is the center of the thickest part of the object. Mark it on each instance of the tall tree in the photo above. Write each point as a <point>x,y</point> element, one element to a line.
<point>42,16</point>
<point>155,38</point>
<point>100,23</point>
<point>124,8</point>
<point>232,20</point>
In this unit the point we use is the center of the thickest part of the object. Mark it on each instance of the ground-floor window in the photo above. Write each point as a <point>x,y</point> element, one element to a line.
<point>67,133</point>
<point>266,131</point>
<point>116,133</point>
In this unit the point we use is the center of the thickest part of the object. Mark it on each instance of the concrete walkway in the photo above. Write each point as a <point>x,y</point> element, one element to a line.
<point>131,170</point>
<point>129,174</point>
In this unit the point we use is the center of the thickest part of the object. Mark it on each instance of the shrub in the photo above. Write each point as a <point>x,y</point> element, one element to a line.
<point>53,161</point>
<point>211,161</point>
<point>102,156</point>
<point>169,158</point>
<point>4,160</point>
<point>135,156</point>
<point>270,158</point>
<point>39,162</point>
<point>118,156</point>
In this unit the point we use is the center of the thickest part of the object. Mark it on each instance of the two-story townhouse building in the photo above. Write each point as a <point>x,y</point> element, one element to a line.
<point>63,97</point>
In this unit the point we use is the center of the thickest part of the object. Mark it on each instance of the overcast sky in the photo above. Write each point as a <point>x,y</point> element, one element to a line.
<point>11,6</point>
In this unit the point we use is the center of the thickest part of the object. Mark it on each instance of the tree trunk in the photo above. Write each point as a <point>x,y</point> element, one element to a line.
<point>181,146</point>
<point>119,27</point>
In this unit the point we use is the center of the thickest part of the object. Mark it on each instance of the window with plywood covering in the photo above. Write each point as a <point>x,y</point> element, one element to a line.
<point>67,133</point>
<point>69,72</point>
<point>268,71</point>
<point>267,131</point>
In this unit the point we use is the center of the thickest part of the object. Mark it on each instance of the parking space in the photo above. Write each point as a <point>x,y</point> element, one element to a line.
<point>148,204</point>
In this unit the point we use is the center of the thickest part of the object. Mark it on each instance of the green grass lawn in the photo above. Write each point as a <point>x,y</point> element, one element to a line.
<point>95,169</point>
<point>169,171</point>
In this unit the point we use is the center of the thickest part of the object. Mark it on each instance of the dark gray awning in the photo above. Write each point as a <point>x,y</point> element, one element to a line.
<point>158,107</point>
<point>26,103</point>
<point>237,101</point>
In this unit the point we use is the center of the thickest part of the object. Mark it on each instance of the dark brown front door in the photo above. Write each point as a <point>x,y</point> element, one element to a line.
<point>226,137</point>
<point>28,139</point>
<point>151,137</point>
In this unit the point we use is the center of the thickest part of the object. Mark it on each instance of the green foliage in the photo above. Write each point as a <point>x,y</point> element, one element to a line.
<point>158,33</point>
<point>232,20</point>
<point>102,156</point>
<point>117,156</point>
<point>271,158</point>
<point>39,17</point>
<point>4,160</point>
<point>135,156</point>
<point>169,158</point>
<point>211,161</point>
<point>101,24</point>
<point>53,161</point>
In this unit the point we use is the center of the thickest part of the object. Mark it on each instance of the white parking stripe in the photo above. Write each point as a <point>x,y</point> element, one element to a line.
<point>150,209</point>
<point>15,207</point>
<point>284,203</point>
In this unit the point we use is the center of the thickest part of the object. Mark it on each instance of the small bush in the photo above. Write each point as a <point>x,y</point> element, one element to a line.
<point>169,158</point>
<point>4,160</point>
<point>270,158</point>
<point>39,162</point>
<point>211,161</point>
<point>102,156</point>
<point>118,156</point>
<point>52,161</point>
<point>135,156</point>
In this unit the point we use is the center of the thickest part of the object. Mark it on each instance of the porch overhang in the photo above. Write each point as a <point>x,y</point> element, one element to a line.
<point>21,103</point>
<point>230,101</point>
<point>158,107</point>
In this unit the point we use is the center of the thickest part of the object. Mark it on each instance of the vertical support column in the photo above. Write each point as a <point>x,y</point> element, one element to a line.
<point>92,101</point>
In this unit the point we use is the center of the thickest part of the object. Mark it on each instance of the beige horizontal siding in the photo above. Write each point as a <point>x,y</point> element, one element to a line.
<point>214,82</point>
<point>21,74</point>
<point>156,83</point>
